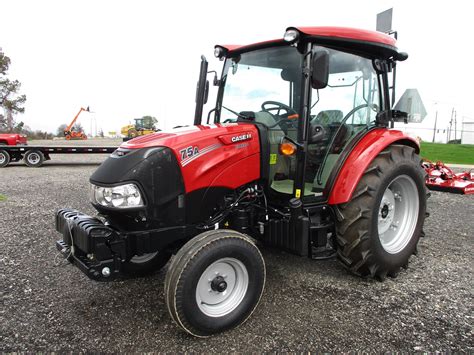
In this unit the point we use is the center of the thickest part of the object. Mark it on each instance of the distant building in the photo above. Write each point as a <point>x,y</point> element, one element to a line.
<point>467,134</point>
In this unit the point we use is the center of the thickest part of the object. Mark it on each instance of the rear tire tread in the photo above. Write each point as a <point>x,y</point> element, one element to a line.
<point>353,228</point>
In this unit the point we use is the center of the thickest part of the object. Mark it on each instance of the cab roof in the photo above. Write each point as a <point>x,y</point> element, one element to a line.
<point>364,42</point>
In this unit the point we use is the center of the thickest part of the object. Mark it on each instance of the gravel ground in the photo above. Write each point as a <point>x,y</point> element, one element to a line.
<point>307,305</point>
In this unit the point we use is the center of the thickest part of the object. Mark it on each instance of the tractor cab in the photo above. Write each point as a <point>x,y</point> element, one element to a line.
<point>344,103</point>
<point>139,124</point>
<point>315,93</point>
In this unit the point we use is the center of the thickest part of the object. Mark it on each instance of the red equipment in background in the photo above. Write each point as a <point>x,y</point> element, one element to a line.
<point>442,178</point>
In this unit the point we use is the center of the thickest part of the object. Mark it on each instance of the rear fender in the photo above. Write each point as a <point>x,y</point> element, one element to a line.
<point>361,156</point>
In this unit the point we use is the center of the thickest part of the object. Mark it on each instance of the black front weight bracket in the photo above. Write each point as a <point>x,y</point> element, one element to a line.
<point>94,248</point>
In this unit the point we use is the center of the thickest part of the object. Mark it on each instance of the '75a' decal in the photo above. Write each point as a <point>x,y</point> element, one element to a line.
<point>190,153</point>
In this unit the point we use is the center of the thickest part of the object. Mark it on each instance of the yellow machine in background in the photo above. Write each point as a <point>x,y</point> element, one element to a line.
<point>142,126</point>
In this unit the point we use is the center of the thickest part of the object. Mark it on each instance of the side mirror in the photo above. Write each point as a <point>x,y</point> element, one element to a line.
<point>320,69</point>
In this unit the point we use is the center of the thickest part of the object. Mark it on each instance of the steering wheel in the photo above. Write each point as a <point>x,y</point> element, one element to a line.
<point>278,106</point>
<point>283,118</point>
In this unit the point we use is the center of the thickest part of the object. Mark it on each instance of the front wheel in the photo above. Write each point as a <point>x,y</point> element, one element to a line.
<point>378,230</point>
<point>214,282</point>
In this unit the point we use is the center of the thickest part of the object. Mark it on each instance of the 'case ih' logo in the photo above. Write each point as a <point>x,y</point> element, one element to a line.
<point>242,137</point>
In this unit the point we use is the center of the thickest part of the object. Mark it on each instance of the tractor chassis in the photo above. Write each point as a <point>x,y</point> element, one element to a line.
<point>99,250</point>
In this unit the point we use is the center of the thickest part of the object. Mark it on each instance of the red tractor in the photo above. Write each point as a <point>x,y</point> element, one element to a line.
<point>13,139</point>
<point>296,154</point>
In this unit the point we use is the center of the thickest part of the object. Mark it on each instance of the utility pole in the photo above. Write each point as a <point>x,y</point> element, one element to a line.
<point>436,121</point>
<point>455,123</point>
<point>450,125</point>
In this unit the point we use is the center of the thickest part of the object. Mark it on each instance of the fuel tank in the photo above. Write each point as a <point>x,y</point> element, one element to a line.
<point>221,155</point>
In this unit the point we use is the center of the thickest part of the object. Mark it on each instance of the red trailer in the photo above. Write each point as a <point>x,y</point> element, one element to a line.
<point>13,148</point>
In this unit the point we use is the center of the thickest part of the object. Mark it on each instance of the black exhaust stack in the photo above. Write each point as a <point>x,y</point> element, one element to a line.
<point>202,91</point>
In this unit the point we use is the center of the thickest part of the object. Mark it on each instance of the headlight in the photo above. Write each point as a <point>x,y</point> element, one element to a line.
<point>122,196</point>
<point>291,36</point>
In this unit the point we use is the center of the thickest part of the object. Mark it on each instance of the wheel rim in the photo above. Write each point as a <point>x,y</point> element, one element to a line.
<point>398,214</point>
<point>222,287</point>
<point>140,259</point>
<point>3,158</point>
<point>33,158</point>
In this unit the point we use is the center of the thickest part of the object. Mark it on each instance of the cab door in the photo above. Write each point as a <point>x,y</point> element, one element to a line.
<point>340,113</point>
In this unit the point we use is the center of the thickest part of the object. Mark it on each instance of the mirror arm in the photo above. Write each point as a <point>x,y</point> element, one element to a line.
<point>209,114</point>
<point>215,81</point>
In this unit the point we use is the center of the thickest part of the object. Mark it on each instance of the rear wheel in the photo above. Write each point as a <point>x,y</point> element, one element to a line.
<point>4,158</point>
<point>34,158</point>
<point>379,229</point>
<point>214,282</point>
<point>140,265</point>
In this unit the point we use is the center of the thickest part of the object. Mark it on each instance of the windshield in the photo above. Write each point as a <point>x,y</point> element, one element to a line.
<point>254,78</point>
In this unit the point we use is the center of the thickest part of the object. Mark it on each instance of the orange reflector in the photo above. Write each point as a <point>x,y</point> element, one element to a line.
<point>293,117</point>
<point>287,148</point>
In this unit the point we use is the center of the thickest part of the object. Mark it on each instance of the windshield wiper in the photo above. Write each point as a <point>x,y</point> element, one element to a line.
<point>246,115</point>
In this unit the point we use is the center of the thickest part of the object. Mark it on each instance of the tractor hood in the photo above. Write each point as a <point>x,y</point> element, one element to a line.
<point>183,135</point>
<point>224,155</point>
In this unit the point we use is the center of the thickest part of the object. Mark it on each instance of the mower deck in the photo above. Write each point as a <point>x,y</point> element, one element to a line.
<point>442,178</point>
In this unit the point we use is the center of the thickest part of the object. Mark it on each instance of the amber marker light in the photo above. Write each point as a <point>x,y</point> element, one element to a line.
<point>287,148</point>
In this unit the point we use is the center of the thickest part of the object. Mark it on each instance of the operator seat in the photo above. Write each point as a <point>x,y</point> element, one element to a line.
<point>326,117</point>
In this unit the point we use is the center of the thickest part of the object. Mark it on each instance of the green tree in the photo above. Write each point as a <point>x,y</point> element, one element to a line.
<point>60,131</point>
<point>78,127</point>
<point>149,122</point>
<point>10,100</point>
